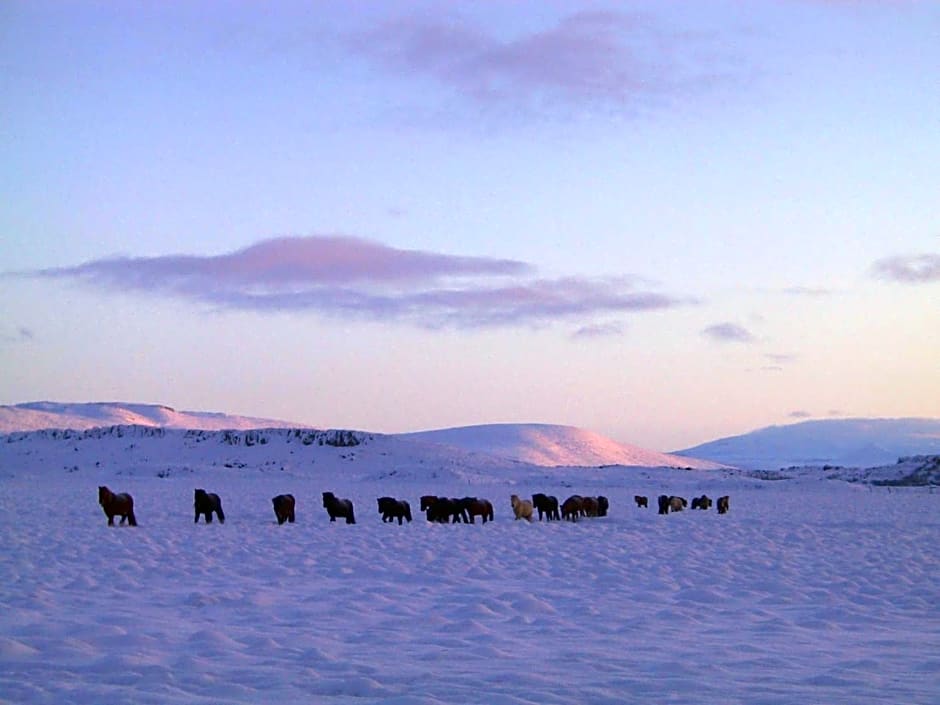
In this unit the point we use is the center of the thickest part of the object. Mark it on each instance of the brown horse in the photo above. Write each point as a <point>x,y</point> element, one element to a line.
<point>677,504</point>
<point>571,507</point>
<point>338,508</point>
<point>703,502</point>
<point>723,503</point>
<point>121,505</point>
<point>589,507</point>
<point>206,503</point>
<point>284,508</point>
<point>641,501</point>
<point>477,507</point>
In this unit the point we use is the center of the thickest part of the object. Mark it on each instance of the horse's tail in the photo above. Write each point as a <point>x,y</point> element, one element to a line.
<point>131,519</point>
<point>220,514</point>
<point>352,515</point>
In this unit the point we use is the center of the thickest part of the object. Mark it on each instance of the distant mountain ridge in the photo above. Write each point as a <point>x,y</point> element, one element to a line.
<point>859,442</point>
<point>40,415</point>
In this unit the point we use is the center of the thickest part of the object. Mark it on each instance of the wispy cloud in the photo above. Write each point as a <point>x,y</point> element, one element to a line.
<point>358,278</point>
<point>799,414</point>
<point>728,333</point>
<point>21,335</point>
<point>598,330</point>
<point>810,291</point>
<point>780,358</point>
<point>588,60</point>
<point>909,269</point>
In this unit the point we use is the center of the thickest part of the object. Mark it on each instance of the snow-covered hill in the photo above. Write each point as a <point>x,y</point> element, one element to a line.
<point>551,445</point>
<point>835,442</point>
<point>39,415</point>
<point>533,444</point>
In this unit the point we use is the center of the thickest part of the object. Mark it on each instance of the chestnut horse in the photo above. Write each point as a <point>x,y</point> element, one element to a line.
<point>121,505</point>
<point>338,508</point>
<point>284,508</point>
<point>571,507</point>
<point>205,503</point>
<point>477,507</point>
<point>391,509</point>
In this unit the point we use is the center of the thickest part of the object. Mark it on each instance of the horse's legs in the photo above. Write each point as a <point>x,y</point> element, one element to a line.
<point>123,519</point>
<point>208,516</point>
<point>110,520</point>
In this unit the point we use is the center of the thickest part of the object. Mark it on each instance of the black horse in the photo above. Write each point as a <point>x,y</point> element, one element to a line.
<point>444,509</point>
<point>392,509</point>
<point>663,500</point>
<point>206,503</point>
<point>338,508</point>
<point>547,505</point>
<point>603,504</point>
<point>703,502</point>
<point>284,508</point>
<point>641,501</point>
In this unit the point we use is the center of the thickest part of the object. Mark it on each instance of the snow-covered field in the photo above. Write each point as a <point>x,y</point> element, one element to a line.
<point>808,591</point>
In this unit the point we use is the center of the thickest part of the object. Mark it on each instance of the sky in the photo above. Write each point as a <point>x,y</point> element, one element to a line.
<point>663,222</point>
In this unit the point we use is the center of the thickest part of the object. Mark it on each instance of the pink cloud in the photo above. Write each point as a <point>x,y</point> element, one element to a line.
<point>353,277</point>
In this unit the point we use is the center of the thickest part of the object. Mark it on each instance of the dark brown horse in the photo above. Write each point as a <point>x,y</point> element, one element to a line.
<point>546,504</point>
<point>603,505</point>
<point>338,508</point>
<point>723,503</point>
<point>284,508</point>
<point>443,509</point>
<point>703,502</point>
<point>121,505</point>
<point>571,508</point>
<point>392,509</point>
<point>589,506</point>
<point>473,506</point>
<point>641,501</point>
<point>206,503</point>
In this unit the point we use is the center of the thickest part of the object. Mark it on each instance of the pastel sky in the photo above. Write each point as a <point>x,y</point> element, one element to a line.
<point>664,222</point>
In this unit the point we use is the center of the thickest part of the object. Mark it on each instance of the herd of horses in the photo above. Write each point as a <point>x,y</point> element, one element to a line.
<point>452,510</point>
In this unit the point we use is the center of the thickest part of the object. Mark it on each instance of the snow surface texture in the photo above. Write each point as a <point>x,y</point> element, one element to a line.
<point>810,590</point>
<point>844,442</point>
